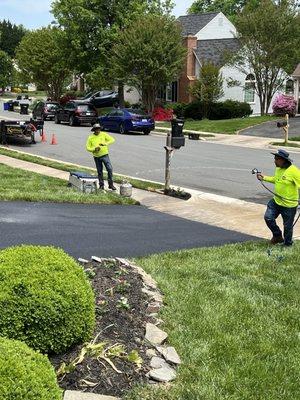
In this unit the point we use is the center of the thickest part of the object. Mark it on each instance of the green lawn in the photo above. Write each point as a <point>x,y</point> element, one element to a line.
<point>229,126</point>
<point>137,183</point>
<point>233,315</point>
<point>17,184</point>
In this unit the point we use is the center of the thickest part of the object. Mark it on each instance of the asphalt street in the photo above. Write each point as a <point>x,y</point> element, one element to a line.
<point>209,167</point>
<point>119,231</point>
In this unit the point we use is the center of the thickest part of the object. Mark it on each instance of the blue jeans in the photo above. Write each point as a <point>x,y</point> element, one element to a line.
<point>288,215</point>
<point>99,161</point>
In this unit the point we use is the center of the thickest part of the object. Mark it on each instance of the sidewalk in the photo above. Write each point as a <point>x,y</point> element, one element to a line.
<point>219,211</point>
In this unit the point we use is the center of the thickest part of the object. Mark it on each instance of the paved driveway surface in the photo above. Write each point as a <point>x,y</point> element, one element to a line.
<point>269,129</point>
<point>86,230</point>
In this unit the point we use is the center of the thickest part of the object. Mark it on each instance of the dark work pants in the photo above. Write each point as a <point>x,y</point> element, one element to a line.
<point>99,161</point>
<point>288,215</point>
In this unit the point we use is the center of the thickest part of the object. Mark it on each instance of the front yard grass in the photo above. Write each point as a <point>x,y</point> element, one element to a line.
<point>17,184</point>
<point>229,126</point>
<point>137,183</point>
<point>232,313</point>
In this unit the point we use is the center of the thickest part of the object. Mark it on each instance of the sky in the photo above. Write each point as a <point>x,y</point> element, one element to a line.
<point>36,13</point>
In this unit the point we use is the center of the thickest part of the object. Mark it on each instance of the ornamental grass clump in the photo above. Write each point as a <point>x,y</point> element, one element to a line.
<point>45,298</point>
<point>26,374</point>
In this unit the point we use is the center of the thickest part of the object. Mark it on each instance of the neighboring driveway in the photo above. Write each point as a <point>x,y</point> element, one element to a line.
<point>269,129</point>
<point>86,230</point>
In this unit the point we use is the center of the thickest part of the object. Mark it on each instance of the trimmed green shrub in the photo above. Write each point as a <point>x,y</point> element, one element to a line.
<point>229,109</point>
<point>178,108</point>
<point>25,374</point>
<point>221,110</point>
<point>194,110</point>
<point>45,298</point>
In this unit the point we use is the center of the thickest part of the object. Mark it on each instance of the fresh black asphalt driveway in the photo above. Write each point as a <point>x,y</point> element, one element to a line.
<point>270,130</point>
<point>101,230</point>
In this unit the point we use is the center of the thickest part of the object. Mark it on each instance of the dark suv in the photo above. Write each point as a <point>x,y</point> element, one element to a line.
<point>45,110</point>
<point>76,113</point>
<point>102,98</point>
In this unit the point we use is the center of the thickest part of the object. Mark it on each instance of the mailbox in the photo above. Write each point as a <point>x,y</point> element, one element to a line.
<point>177,136</point>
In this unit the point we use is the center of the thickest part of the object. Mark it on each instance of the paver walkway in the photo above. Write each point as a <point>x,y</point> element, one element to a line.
<point>219,211</point>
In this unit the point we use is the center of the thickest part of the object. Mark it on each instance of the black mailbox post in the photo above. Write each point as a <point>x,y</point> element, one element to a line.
<point>178,139</point>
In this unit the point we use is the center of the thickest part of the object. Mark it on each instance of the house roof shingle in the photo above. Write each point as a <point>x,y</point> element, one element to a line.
<point>193,23</point>
<point>214,50</point>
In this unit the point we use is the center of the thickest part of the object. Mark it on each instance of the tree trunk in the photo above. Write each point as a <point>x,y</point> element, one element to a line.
<point>121,94</point>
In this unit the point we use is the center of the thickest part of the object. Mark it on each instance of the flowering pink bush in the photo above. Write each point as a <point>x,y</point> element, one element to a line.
<point>284,105</point>
<point>162,114</point>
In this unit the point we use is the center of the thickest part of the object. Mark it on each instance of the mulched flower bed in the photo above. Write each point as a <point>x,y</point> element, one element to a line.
<point>121,317</point>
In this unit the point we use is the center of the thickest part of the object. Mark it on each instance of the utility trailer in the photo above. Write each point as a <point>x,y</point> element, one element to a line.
<point>22,131</point>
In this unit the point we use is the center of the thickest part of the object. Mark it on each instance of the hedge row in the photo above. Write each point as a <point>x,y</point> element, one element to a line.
<point>222,110</point>
<point>45,298</point>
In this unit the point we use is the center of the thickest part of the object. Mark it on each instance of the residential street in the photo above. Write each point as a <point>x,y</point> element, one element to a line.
<point>124,231</point>
<point>205,166</point>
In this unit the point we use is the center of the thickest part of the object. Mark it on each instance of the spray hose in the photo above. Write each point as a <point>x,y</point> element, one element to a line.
<point>255,171</point>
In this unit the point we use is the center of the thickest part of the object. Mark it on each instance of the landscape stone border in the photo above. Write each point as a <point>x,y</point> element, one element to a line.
<point>163,359</point>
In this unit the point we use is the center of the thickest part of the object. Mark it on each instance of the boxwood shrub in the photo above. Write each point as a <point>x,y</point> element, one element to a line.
<point>222,110</point>
<point>45,298</point>
<point>26,374</point>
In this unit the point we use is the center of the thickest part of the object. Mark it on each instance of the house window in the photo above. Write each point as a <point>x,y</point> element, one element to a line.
<point>169,93</point>
<point>289,87</point>
<point>249,90</point>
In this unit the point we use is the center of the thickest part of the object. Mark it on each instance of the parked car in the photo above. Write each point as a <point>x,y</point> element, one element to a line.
<point>126,120</point>
<point>76,113</point>
<point>102,98</point>
<point>45,110</point>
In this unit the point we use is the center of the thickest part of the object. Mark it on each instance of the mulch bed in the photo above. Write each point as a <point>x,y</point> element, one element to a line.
<point>120,319</point>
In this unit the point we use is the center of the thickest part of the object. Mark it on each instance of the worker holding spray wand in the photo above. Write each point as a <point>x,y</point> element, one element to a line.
<point>286,197</point>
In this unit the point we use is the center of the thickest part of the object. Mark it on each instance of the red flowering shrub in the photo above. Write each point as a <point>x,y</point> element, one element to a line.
<point>162,114</point>
<point>284,105</point>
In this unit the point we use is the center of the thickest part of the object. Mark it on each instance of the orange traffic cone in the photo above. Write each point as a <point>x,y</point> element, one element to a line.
<point>44,137</point>
<point>53,140</point>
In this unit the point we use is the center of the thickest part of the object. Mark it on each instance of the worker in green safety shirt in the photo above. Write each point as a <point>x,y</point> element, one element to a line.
<point>286,197</point>
<point>97,144</point>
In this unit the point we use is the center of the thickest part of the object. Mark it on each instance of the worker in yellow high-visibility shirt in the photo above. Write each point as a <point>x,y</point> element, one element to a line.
<point>97,144</point>
<point>286,197</point>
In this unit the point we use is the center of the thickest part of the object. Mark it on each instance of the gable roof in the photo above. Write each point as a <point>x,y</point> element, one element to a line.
<point>193,23</point>
<point>214,50</point>
<point>296,73</point>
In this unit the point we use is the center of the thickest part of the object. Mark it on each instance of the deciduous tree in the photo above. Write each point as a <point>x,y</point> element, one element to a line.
<point>92,28</point>
<point>270,41</point>
<point>149,54</point>
<point>41,57</point>
<point>6,68</point>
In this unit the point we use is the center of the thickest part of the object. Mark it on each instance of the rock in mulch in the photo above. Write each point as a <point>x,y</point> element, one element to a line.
<point>164,374</point>
<point>158,362</point>
<point>170,354</point>
<point>154,335</point>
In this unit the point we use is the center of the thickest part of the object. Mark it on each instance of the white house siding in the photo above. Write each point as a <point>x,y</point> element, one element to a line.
<point>218,28</point>
<point>131,95</point>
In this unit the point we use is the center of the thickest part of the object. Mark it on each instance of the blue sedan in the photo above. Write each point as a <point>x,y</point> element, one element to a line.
<point>127,120</point>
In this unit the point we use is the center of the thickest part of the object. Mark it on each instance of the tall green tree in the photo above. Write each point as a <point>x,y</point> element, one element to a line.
<point>230,8</point>
<point>10,36</point>
<point>92,28</point>
<point>6,68</point>
<point>41,58</point>
<point>149,54</point>
<point>209,86</point>
<point>270,41</point>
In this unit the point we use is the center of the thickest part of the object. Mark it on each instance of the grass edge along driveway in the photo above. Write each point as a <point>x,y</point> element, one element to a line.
<point>232,313</point>
<point>228,126</point>
<point>17,184</point>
